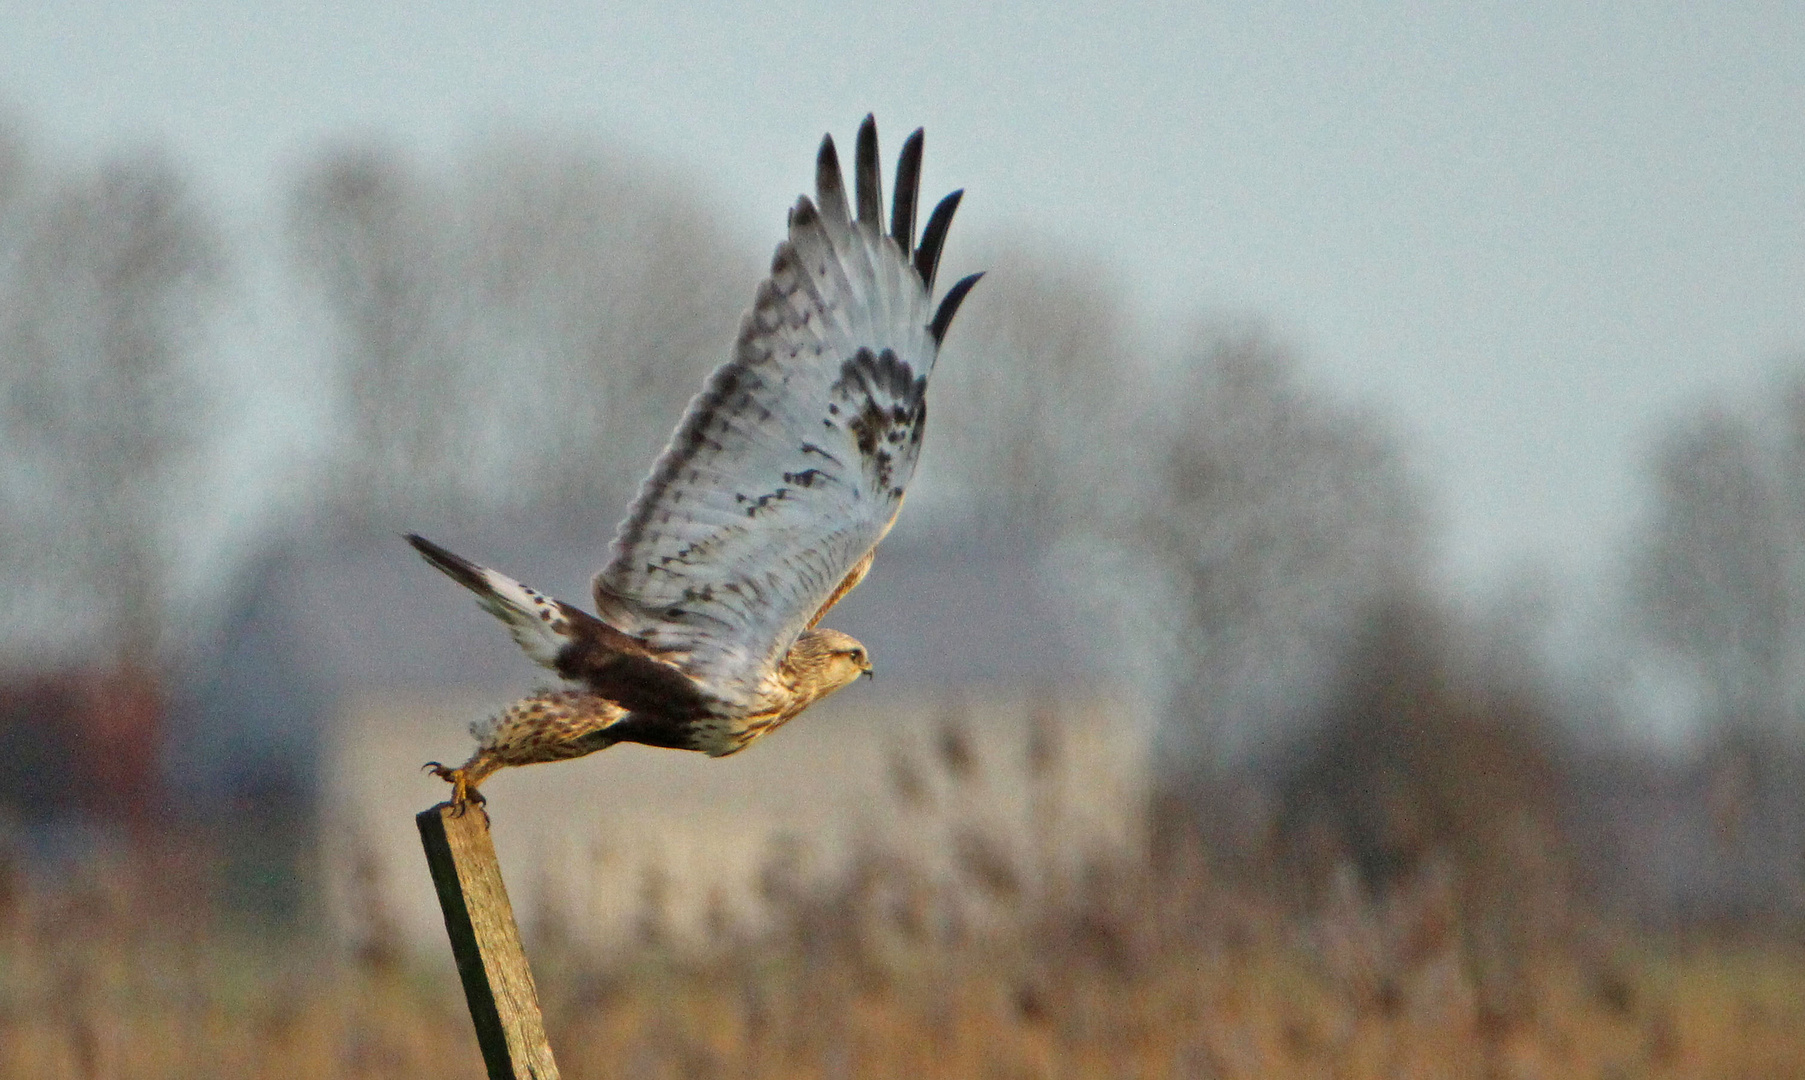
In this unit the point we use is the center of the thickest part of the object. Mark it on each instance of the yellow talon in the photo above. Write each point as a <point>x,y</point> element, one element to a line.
<point>463,793</point>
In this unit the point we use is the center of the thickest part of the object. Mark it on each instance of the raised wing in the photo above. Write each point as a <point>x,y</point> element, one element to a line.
<point>790,465</point>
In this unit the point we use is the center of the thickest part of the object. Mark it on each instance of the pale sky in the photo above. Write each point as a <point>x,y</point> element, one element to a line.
<point>1528,231</point>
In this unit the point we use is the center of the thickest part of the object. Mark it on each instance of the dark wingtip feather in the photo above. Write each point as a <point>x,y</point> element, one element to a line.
<point>927,256</point>
<point>803,214</point>
<point>830,188</point>
<point>868,176</point>
<point>908,191</point>
<point>949,306</point>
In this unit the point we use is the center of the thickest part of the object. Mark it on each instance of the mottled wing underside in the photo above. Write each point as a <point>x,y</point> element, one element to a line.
<point>790,465</point>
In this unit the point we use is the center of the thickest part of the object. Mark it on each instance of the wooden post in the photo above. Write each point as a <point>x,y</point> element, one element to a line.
<point>498,985</point>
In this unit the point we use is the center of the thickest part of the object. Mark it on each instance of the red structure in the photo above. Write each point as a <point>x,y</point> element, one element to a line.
<point>82,741</point>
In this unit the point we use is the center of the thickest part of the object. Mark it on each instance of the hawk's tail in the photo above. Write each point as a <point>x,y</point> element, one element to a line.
<point>539,623</point>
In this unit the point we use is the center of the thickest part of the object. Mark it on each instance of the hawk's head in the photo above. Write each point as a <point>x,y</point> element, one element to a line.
<point>824,660</point>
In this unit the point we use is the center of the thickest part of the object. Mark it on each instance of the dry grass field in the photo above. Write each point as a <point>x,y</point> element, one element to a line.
<point>1146,960</point>
<point>1136,975</point>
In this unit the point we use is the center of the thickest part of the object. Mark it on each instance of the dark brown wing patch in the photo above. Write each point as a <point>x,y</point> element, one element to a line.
<point>620,668</point>
<point>888,406</point>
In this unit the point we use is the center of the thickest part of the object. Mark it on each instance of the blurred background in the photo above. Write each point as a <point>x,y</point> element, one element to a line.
<point>1350,618</point>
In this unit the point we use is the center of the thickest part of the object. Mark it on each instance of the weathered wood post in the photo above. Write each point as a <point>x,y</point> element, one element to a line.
<point>498,984</point>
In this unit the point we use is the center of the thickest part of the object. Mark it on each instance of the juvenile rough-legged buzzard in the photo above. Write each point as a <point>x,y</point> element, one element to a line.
<point>765,509</point>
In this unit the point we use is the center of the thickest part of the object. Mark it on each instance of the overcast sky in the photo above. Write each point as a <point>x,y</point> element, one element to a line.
<point>1529,231</point>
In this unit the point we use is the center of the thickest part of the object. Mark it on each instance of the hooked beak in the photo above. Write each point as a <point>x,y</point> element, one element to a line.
<point>868,673</point>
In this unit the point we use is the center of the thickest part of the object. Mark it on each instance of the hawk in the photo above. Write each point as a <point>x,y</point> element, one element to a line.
<point>762,512</point>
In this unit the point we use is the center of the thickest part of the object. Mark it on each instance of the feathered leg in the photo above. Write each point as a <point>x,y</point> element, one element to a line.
<point>554,725</point>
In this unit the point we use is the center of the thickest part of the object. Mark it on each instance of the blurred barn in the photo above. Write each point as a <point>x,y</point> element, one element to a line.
<point>348,663</point>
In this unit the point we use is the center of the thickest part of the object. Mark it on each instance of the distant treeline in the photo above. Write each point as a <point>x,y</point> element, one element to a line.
<point>518,329</point>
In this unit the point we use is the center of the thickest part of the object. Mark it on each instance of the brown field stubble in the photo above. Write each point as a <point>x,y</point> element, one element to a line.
<point>1121,964</point>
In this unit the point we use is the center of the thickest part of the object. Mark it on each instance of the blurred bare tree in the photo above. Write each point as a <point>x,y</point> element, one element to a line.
<point>366,226</point>
<point>108,277</point>
<point>1719,591</point>
<point>1272,521</point>
<point>618,284</point>
<point>1028,400</point>
<point>1233,522</point>
<point>1718,574</point>
<point>522,333</point>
